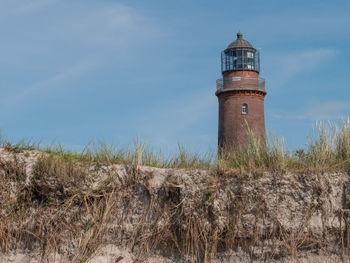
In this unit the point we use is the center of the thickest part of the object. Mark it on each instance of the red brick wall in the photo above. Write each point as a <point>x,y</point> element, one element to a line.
<point>249,78</point>
<point>241,73</point>
<point>232,123</point>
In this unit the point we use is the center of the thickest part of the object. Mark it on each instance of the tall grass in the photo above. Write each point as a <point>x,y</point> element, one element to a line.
<point>321,145</point>
<point>61,203</point>
<point>255,154</point>
<point>328,148</point>
<point>343,141</point>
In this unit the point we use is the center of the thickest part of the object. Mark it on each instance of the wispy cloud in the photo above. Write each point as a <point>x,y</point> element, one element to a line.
<point>180,122</point>
<point>299,20</point>
<point>45,86</point>
<point>11,8</point>
<point>284,66</point>
<point>67,39</point>
<point>318,110</point>
<point>177,116</point>
<point>306,60</point>
<point>115,25</point>
<point>73,29</point>
<point>28,6</point>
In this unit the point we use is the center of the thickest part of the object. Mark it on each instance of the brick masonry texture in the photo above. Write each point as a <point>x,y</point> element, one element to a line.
<point>232,123</point>
<point>249,82</point>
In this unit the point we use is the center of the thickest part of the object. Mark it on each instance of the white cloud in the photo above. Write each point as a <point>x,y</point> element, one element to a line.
<point>63,40</point>
<point>327,110</point>
<point>11,8</point>
<point>176,122</point>
<point>283,67</point>
<point>28,6</point>
<point>290,63</point>
<point>173,117</point>
<point>306,60</point>
<point>68,29</point>
<point>45,86</point>
<point>316,21</point>
<point>319,110</point>
<point>115,25</point>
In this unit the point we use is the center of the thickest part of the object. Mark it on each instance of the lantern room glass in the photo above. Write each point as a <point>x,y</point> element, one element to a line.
<point>240,59</point>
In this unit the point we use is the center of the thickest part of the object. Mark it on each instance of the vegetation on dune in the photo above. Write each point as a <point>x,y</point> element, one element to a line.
<point>327,149</point>
<point>59,204</point>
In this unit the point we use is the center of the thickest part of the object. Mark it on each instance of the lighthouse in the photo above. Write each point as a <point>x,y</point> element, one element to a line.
<point>241,94</point>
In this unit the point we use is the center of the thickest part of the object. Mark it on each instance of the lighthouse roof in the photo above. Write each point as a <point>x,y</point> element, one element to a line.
<point>239,42</point>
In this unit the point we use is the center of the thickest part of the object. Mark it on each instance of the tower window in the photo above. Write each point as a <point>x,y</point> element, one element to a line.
<point>245,108</point>
<point>250,54</point>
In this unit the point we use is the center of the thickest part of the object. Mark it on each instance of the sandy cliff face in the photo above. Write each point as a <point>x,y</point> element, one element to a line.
<point>56,210</point>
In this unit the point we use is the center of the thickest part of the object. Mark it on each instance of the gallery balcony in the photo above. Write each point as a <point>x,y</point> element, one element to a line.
<point>244,83</point>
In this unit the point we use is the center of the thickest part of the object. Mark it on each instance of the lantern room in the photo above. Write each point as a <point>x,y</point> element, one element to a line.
<point>240,55</point>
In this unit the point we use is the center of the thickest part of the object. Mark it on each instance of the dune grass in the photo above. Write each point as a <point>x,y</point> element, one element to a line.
<point>328,148</point>
<point>59,205</point>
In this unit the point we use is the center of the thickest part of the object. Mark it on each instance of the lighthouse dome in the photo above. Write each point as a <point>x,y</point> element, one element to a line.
<point>240,55</point>
<point>240,42</point>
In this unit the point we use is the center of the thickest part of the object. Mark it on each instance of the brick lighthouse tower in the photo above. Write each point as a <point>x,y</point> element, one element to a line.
<point>241,94</point>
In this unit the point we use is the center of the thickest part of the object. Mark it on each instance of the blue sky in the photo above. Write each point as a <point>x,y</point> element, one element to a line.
<point>75,71</point>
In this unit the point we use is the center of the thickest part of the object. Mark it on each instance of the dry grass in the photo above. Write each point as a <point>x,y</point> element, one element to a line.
<point>59,211</point>
<point>55,210</point>
<point>327,149</point>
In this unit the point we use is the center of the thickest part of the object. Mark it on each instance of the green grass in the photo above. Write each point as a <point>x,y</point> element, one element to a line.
<point>328,148</point>
<point>59,205</point>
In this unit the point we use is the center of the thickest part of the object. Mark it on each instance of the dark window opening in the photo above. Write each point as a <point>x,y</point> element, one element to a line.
<point>245,108</point>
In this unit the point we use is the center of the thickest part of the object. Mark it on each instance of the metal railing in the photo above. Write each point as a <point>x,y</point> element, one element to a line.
<point>240,59</point>
<point>240,83</point>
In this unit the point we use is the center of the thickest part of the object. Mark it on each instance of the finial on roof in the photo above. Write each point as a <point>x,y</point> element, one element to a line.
<point>239,35</point>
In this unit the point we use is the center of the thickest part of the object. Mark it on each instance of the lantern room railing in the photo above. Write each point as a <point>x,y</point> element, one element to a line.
<point>240,83</point>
